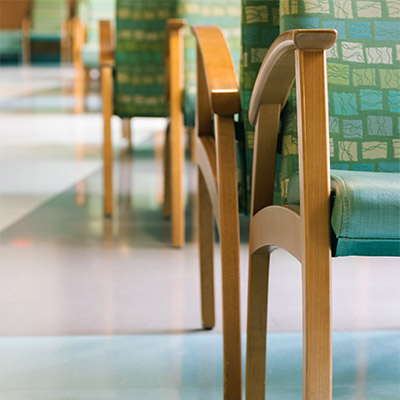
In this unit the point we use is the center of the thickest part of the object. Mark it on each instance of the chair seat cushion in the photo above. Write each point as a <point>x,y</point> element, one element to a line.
<point>91,55</point>
<point>365,212</point>
<point>45,36</point>
<point>10,41</point>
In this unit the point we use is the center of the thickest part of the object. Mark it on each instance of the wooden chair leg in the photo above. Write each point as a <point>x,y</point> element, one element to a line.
<point>167,174</point>
<point>257,325</point>
<point>192,140</point>
<point>127,131</point>
<point>229,240</point>
<point>317,341</point>
<point>106,90</point>
<point>79,89</point>
<point>206,244</point>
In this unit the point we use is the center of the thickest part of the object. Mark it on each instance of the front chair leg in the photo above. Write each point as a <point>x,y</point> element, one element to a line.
<point>127,131</point>
<point>257,325</point>
<point>106,89</point>
<point>229,239</point>
<point>206,244</point>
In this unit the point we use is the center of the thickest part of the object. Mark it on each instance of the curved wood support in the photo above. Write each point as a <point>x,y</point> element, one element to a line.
<point>207,162</point>
<point>220,75</point>
<point>277,72</point>
<point>276,226</point>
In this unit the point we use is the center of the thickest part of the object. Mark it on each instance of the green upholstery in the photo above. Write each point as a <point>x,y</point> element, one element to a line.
<point>365,214</point>
<point>47,19</point>
<point>10,42</point>
<point>141,27</point>
<point>260,27</point>
<point>364,108</point>
<point>91,12</point>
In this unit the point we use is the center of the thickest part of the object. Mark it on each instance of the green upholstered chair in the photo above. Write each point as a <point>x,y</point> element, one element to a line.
<point>10,44</point>
<point>143,44</point>
<point>44,33</point>
<point>224,153</point>
<point>338,136</point>
<point>86,46</point>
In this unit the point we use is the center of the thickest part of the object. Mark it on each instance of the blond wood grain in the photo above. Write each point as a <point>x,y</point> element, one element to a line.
<point>206,246</point>
<point>229,239</point>
<point>167,173</point>
<point>221,77</point>
<point>106,94</point>
<point>107,44</point>
<point>79,83</point>
<point>313,132</point>
<point>277,71</point>
<point>257,325</point>
<point>177,129</point>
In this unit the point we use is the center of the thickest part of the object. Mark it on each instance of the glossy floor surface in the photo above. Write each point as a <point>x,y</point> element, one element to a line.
<point>65,270</point>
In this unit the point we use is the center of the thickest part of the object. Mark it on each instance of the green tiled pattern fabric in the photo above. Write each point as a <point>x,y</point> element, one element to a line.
<point>140,74</point>
<point>47,19</point>
<point>260,27</point>
<point>93,11</point>
<point>363,78</point>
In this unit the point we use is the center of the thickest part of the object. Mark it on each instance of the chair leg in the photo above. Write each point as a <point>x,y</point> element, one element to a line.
<point>192,140</point>
<point>79,89</point>
<point>229,239</point>
<point>206,243</point>
<point>317,340</point>
<point>127,131</point>
<point>106,89</point>
<point>257,325</point>
<point>167,174</point>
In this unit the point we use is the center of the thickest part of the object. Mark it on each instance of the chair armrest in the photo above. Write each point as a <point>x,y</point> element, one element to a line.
<point>222,83</point>
<point>107,44</point>
<point>277,72</point>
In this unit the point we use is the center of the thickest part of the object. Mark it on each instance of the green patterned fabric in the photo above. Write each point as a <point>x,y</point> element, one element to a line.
<point>365,214</point>
<point>260,27</point>
<point>141,28</point>
<point>363,79</point>
<point>47,19</point>
<point>364,108</point>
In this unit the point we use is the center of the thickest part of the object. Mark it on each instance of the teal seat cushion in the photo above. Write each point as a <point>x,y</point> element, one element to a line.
<point>91,55</point>
<point>10,41</point>
<point>46,36</point>
<point>365,215</point>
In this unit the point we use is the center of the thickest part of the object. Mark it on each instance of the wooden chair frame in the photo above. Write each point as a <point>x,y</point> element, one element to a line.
<point>218,100</point>
<point>79,39</point>
<point>303,231</point>
<point>174,144</point>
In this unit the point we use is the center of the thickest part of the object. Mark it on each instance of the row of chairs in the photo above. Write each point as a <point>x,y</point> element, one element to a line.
<point>318,181</point>
<point>42,27</point>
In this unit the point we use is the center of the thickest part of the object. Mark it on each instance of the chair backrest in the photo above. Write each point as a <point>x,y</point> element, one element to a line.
<point>363,84</point>
<point>48,16</point>
<point>93,11</point>
<point>141,32</point>
<point>260,27</point>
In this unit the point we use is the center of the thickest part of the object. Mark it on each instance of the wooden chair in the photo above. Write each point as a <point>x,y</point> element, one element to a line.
<point>144,43</point>
<point>343,201</point>
<point>224,145</point>
<point>45,31</point>
<point>86,46</point>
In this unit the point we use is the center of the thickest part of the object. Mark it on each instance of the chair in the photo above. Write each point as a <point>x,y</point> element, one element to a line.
<point>224,147</point>
<point>45,31</point>
<point>345,198</point>
<point>139,86</point>
<point>86,47</point>
<point>12,14</point>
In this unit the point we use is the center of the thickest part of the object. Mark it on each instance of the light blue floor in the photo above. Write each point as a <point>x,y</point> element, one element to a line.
<point>184,366</point>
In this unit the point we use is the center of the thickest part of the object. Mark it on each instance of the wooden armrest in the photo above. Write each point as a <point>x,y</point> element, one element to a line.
<point>276,75</point>
<point>107,45</point>
<point>222,83</point>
